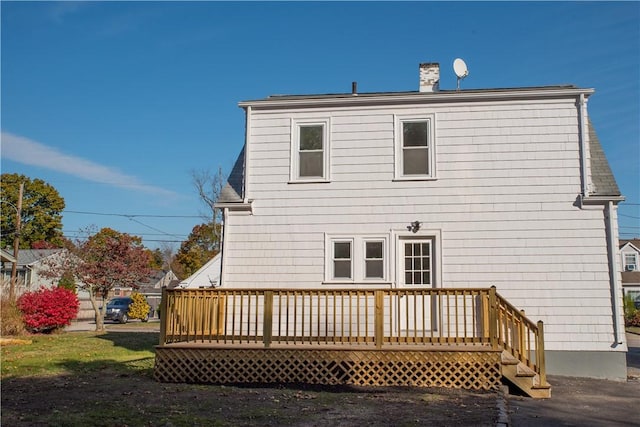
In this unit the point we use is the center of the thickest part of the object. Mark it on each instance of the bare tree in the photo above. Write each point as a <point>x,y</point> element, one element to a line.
<point>209,186</point>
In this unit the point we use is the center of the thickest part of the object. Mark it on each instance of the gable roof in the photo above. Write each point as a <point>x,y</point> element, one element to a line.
<point>634,243</point>
<point>32,256</point>
<point>6,256</point>
<point>602,179</point>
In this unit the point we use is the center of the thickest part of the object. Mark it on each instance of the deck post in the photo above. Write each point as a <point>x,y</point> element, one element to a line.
<point>493,318</point>
<point>540,363</point>
<point>267,322</point>
<point>163,317</point>
<point>379,318</point>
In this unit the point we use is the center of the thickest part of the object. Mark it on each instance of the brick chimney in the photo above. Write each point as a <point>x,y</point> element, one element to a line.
<point>429,77</point>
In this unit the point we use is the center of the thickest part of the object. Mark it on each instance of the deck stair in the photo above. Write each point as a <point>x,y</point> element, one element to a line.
<point>522,377</point>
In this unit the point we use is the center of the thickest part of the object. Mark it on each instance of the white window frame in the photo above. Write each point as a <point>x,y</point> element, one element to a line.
<point>358,259</point>
<point>365,259</point>
<point>296,124</point>
<point>399,121</point>
<point>333,259</point>
<point>634,263</point>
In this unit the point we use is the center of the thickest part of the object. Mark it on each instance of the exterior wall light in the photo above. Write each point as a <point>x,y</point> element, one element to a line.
<point>414,226</point>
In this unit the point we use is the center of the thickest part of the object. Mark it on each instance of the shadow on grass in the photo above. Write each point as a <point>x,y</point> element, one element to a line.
<point>97,392</point>
<point>135,341</point>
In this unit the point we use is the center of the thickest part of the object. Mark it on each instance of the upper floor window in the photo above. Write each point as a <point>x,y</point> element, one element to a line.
<point>310,150</point>
<point>415,147</point>
<point>630,262</point>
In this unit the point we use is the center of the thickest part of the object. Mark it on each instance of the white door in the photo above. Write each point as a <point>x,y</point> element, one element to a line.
<point>416,314</point>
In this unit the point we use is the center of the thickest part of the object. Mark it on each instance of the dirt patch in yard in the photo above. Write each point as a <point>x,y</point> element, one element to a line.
<point>113,398</point>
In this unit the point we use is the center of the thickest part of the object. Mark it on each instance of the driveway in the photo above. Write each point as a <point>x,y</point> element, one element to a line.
<point>585,401</point>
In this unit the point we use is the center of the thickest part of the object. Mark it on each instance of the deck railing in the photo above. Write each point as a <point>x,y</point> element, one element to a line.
<point>348,317</point>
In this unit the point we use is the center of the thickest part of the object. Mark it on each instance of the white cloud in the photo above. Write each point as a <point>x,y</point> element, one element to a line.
<point>28,152</point>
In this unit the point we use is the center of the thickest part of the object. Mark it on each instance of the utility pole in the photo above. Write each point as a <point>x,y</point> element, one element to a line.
<point>16,246</point>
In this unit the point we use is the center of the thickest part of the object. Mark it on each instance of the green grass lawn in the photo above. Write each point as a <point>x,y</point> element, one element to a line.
<point>64,353</point>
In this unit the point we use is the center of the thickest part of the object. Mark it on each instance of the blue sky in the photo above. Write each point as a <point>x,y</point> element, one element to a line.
<point>115,103</point>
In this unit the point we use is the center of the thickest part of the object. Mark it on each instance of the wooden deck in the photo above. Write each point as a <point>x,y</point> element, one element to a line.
<point>434,337</point>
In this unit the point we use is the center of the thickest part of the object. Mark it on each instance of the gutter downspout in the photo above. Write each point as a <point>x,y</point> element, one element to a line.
<point>616,295</point>
<point>222,244</point>
<point>582,115</point>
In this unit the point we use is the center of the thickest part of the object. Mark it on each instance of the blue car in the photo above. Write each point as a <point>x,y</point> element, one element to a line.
<point>118,310</point>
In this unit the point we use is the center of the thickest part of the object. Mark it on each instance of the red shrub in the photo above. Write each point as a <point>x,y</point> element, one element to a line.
<point>48,309</point>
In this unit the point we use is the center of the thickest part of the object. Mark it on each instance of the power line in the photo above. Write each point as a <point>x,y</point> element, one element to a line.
<point>131,215</point>
<point>629,216</point>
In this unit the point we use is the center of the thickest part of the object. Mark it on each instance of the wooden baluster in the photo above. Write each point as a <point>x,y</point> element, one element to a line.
<point>268,318</point>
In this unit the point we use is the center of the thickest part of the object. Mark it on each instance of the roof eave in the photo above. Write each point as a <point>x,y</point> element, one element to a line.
<point>598,200</point>
<point>418,97</point>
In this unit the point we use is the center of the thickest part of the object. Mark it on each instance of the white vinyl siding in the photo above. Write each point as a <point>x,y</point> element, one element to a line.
<point>508,175</point>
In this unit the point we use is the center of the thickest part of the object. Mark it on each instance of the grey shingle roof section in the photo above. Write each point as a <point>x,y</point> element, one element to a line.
<point>602,179</point>
<point>233,192</point>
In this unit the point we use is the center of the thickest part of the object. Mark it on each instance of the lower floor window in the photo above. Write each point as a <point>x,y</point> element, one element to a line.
<point>356,258</point>
<point>342,260</point>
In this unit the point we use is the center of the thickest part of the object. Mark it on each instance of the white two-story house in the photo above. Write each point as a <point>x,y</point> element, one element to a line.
<point>436,188</point>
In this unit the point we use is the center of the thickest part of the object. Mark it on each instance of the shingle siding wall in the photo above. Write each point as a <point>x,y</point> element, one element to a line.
<point>508,177</point>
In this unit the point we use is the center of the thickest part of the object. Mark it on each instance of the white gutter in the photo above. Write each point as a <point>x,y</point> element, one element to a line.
<point>582,115</point>
<point>616,292</point>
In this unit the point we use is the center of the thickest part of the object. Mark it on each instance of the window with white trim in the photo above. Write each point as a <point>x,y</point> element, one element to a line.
<point>342,256</point>
<point>374,259</point>
<point>415,147</point>
<point>356,259</point>
<point>630,262</point>
<point>310,150</point>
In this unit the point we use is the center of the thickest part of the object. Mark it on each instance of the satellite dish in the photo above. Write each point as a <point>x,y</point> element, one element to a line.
<point>460,68</point>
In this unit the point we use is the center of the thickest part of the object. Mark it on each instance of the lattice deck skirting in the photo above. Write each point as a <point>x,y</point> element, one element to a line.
<point>475,370</point>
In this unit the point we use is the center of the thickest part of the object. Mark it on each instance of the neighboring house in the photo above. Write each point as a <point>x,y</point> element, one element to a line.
<point>630,267</point>
<point>436,188</point>
<point>30,266</point>
<point>208,276</point>
<point>152,287</point>
<point>29,272</point>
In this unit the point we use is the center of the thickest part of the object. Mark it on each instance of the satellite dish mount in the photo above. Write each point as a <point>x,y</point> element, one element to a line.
<point>461,70</point>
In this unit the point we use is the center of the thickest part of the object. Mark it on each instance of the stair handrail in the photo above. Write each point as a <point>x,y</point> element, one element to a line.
<point>514,331</point>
